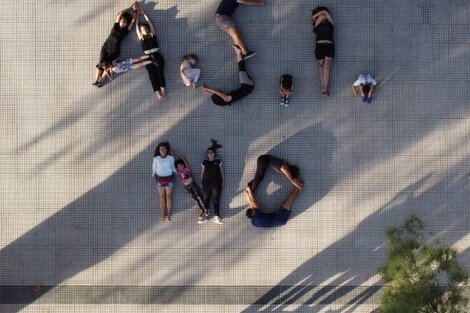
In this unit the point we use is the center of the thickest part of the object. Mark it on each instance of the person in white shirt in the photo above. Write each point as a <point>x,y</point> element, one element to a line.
<point>364,86</point>
<point>190,74</point>
<point>163,167</point>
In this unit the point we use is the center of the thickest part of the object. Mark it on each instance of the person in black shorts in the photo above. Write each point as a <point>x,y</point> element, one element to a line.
<point>148,39</point>
<point>111,48</point>
<point>223,19</point>
<point>323,27</point>
<point>279,165</point>
<point>246,85</point>
<point>270,220</point>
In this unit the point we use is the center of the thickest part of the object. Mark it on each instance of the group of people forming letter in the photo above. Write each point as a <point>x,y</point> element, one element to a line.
<point>165,167</point>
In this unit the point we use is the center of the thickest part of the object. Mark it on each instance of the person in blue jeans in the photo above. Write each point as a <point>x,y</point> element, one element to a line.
<point>270,220</point>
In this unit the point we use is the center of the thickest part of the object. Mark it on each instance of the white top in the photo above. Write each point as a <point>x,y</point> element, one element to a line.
<point>365,79</point>
<point>189,74</point>
<point>163,166</point>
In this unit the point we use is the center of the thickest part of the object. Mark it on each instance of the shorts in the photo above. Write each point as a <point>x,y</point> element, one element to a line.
<point>281,217</point>
<point>124,66</point>
<point>323,50</point>
<point>165,181</point>
<point>224,22</point>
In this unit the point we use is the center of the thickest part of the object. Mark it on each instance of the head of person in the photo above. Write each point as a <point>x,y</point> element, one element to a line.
<point>249,213</point>
<point>212,150</point>
<point>319,9</point>
<point>218,100</point>
<point>192,58</point>
<point>144,28</point>
<point>179,164</point>
<point>365,88</point>
<point>125,20</point>
<point>162,149</point>
<point>287,81</point>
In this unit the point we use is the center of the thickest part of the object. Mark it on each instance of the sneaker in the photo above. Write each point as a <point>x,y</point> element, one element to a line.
<point>286,101</point>
<point>97,84</point>
<point>202,219</point>
<point>249,54</point>
<point>217,220</point>
<point>283,101</point>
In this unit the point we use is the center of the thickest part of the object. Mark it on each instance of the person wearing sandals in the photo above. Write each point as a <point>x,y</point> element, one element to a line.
<point>212,176</point>
<point>111,48</point>
<point>163,167</point>
<point>246,85</point>
<point>148,39</point>
<point>184,173</point>
<point>323,27</point>
<point>189,74</point>
<point>286,88</point>
<point>223,19</point>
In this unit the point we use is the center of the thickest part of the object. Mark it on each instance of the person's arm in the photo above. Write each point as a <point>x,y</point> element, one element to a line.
<point>293,181</point>
<point>222,173</point>
<point>328,17</point>
<point>131,24</point>
<point>137,28</point>
<point>353,88</point>
<point>226,97</point>
<point>149,22</point>
<point>202,172</point>
<point>252,2</point>
<point>372,90</point>
<point>119,15</point>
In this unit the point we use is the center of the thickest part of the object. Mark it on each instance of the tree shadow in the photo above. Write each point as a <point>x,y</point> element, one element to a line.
<point>343,275</point>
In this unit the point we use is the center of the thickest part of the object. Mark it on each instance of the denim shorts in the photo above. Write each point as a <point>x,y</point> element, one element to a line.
<point>165,182</point>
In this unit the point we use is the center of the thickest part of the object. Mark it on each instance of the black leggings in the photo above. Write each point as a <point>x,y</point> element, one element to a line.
<point>212,192</point>
<point>195,193</point>
<point>262,164</point>
<point>156,74</point>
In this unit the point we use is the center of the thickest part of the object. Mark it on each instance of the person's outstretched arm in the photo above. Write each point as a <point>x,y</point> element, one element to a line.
<point>219,93</point>
<point>252,2</point>
<point>137,28</point>
<point>149,21</point>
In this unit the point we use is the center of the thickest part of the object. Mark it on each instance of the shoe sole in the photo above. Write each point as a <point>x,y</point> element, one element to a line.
<point>246,57</point>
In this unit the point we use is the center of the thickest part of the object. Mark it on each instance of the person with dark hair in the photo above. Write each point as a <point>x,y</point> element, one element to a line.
<point>190,74</point>
<point>212,175</point>
<point>269,220</point>
<point>124,65</point>
<point>163,167</point>
<point>223,19</point>
<point>183,171</point>
<point>323,27</point>
<point>111,48</point>
<point>148,39</point>
<point>286,88</point>
<point>365,87</point>
<point>279,165</point>
<point>246,85</point>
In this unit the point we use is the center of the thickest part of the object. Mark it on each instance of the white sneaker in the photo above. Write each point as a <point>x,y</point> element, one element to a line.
<point>217,220</point>
<point>202,219</point>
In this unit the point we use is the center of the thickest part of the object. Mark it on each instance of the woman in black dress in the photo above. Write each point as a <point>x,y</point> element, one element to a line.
<point>148,39</point>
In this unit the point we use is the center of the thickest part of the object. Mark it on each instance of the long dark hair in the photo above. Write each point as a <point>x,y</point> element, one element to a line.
<point>165,144</point>
<point>215,146</point>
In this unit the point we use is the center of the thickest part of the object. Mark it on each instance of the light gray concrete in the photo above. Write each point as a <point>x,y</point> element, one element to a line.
<point>79,225</point>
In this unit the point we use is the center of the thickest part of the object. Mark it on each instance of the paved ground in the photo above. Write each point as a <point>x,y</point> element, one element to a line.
<point>79,225</point>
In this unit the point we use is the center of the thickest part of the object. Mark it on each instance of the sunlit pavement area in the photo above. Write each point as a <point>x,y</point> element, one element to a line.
<point>80,229</point>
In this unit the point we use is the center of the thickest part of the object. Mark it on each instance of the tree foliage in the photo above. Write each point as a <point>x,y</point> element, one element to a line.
<point>420,277</point>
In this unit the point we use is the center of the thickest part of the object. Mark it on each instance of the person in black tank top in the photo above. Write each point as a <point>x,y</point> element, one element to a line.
<point>323,27</point>
<point>223,19</point>
<point>148,39</point>
<point>212,176</point>
<point>111,48</point>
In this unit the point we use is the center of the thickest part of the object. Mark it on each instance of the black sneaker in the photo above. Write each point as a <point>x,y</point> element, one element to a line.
<point>249,54</point>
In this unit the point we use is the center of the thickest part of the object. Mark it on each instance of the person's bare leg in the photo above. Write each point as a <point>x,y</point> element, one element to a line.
<point>251,198</point>
<point>169,201</point>
<point>326,74</point>
<point>162,199</point>
<point>237,40</point>
<point>238,52</point>
<point>140,64</point>
<point>291,199</point>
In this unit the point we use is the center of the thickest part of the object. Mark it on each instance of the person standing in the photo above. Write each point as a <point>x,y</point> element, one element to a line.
<point>148,39</point>
<point>212,176</point>
<point>223,19</point>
